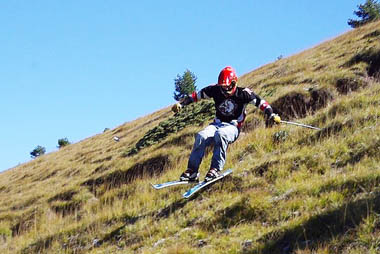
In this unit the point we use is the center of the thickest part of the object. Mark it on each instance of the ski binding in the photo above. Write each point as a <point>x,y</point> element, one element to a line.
<point>203,184</point>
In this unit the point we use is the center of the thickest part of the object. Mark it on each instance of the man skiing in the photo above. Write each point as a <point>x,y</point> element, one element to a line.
<point>230,103</point>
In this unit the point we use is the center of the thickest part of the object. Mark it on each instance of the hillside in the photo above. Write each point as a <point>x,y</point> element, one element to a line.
<point>293,190</point>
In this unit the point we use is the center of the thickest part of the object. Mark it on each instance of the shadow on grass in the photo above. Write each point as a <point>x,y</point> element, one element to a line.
<point>333,129</point>
<point>239,212</point>
<point>117,236</point>
<point>371,57</point>
<point>319,229</point>
<point>151,167</point>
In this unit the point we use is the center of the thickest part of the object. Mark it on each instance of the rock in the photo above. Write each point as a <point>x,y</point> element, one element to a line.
<point>201,243</point>
<point>159,242</point>
<point>246,245</point>
<point>96,242</point>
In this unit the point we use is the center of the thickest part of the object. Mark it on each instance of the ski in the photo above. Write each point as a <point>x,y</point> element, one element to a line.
<point>171,183</point>
<point>203,184</point>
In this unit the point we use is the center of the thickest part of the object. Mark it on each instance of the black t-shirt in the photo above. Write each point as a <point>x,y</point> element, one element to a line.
<point>232,108</point>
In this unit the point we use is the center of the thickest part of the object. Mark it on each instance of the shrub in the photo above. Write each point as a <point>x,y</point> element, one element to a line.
<point>193,114</point>
<point>38,151</point>
<point>63,142</point>
<point>5,232</point>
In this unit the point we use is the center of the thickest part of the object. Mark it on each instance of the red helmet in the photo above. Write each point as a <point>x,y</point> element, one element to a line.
<point>227,80</point>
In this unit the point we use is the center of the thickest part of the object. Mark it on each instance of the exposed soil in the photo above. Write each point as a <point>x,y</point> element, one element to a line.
<point>298,105</point>
<point>347,85</point>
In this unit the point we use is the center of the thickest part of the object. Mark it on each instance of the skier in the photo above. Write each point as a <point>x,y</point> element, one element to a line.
<point>230,103</point>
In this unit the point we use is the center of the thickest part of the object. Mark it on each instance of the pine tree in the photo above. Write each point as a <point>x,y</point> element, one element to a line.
<point>368,12</point>
<point>184,85</point>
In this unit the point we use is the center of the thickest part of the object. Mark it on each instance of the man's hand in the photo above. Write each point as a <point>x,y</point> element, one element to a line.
<point>272,119</point>
<point>176,107</point>
<point>276,118</point>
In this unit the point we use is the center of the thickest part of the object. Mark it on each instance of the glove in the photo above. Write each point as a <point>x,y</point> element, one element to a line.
<point>276,118</point>
<point>272,119</point>
<point>176,107</point>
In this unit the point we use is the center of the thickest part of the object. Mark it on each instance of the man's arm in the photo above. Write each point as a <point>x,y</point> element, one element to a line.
<point>264,106</point>
<point>193,97</point>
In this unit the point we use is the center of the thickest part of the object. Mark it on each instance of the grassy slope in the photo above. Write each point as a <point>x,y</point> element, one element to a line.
<point>293,189</point>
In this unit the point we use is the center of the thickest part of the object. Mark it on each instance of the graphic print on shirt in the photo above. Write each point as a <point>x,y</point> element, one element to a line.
<point>227,107</point>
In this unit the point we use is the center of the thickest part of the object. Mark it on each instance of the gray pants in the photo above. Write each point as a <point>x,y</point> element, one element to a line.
<point>221,135</point>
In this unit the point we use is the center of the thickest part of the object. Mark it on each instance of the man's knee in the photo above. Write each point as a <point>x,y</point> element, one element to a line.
<point>200,138</point>
<point>219,137</point>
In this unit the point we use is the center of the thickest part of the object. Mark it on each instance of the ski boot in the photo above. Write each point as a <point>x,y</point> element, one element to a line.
<point>212,174</point>
<point>190,175</point>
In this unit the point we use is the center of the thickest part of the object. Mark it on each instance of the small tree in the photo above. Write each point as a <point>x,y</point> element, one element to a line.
<point>39,150</point>
<point>184,85</point>
<point>368,12</point>
<point>63,142</point>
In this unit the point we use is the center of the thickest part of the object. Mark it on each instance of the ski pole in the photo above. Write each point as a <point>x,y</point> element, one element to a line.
<point>302,125</point>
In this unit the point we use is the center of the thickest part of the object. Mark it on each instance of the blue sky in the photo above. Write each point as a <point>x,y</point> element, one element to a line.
<point>73,68</point>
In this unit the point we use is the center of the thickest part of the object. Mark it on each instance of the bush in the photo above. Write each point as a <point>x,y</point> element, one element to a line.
<point>193,114</point>
<point>5,232</point>
<point>38,151</point>
<point>63,142</point>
